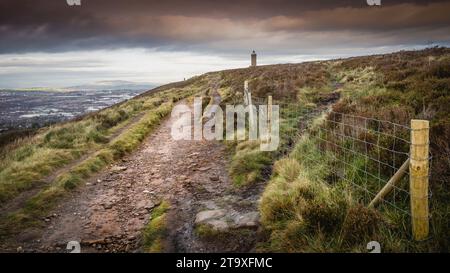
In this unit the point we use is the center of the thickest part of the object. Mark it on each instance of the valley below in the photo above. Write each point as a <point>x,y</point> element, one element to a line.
<point>35,109</point>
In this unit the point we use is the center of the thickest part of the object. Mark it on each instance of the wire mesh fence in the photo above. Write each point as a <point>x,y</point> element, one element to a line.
<point>365,152</point>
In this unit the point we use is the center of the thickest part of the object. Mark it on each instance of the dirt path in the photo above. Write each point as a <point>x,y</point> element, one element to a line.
<point>109,213</point>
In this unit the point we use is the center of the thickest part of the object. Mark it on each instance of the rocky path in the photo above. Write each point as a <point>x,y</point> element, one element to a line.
<point>109,213</point>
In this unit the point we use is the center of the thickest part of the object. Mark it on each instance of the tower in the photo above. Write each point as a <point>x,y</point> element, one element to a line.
<point>253,59</point>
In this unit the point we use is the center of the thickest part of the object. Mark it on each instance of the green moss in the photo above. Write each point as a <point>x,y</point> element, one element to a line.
<point>206,232</point>
<point>227,240</point>
<point>156,230</point>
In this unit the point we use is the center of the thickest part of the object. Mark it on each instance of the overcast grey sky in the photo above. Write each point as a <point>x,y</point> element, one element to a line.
<point>48,43</point>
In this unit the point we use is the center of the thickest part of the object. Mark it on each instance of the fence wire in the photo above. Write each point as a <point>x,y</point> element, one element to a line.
<point>366,153</point>
<point>362,151</point>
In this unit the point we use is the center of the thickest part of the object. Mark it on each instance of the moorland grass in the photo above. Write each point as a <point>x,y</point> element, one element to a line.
<point>302,211</point>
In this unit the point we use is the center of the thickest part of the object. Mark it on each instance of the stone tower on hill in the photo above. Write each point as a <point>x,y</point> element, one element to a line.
<point>253,59</point>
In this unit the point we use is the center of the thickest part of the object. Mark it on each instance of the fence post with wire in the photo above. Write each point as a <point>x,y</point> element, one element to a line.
<point>376,157</point>
<point>419,174</point>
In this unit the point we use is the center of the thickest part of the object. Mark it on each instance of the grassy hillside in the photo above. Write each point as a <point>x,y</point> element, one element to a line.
<point>303,210</point>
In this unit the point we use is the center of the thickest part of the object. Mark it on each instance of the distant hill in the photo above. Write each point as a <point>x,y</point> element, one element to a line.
<point>115,85</point>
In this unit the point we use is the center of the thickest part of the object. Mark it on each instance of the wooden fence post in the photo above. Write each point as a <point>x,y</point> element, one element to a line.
<point>250,104</point>
<point>246,93</point>
<point>418,170</point>
<point>269,118</point>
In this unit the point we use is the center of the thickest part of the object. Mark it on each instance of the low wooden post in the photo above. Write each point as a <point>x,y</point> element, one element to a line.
<point>250,104</point>
<point>246,92</point>
<point>418,169</point>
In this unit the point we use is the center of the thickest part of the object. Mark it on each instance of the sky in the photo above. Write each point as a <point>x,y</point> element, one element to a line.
<point>51,44</point>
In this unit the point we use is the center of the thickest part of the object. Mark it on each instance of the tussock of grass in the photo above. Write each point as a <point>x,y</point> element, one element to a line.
<point>277,203</point>
<point>156,230</point>
<point>287,168</point>
<point>248,164</point>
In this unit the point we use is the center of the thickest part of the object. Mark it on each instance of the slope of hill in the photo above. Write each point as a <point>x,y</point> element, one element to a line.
<point>299,211</point>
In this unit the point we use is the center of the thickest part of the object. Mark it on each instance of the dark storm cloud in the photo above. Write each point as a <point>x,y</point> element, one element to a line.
<point>42,25</point>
